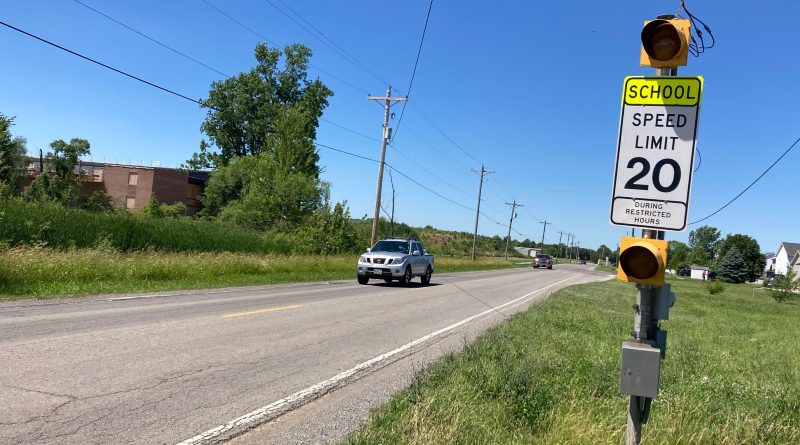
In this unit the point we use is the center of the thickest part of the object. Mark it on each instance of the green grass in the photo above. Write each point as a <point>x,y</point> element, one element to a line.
<point>550,376</point>
<point>59,227</point>
<point>38,272</point>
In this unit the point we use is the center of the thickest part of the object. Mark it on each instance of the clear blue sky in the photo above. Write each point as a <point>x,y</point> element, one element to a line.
<point>531,89</point>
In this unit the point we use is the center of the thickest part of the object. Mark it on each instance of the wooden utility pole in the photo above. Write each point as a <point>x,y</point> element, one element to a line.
<point>544,227</point>
<point>387,134</point>
<point>514,206</point>
<point>483,172</point>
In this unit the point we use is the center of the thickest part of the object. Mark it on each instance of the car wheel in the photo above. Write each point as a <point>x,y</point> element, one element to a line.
<point>363,280</point>
<point>549,267</point>
<point>426,279</point>
<point>388,280</point>
<point>406,277</point>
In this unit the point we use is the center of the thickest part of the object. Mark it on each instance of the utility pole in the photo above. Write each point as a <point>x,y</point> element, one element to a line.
<point>391,180</point>
<point>560,234</point>
<point>544,227</point>
<point>514,206</point>
<point>387,134</point>
<point>483,172</point>
<point>568,247</point>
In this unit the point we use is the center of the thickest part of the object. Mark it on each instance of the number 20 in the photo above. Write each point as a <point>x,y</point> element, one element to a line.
<point>676,177</point>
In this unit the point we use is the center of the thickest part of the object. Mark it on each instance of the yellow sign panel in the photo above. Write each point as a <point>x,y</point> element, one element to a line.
<point>670,90</point>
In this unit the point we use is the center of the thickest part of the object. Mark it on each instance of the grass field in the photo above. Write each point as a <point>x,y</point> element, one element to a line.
<point>550,376</point>
<point>38,272</point>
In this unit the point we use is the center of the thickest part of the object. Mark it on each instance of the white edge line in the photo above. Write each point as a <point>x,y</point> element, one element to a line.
<point>255,416</point>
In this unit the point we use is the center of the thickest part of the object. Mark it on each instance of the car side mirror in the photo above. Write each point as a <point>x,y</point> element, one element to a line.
<point>416,253</point>
<point>369,249</point>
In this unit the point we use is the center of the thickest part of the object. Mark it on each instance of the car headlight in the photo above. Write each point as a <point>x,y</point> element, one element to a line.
<point>362,260</point>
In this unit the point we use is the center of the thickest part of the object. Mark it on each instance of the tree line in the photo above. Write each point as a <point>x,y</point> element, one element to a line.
<point>736,258</point>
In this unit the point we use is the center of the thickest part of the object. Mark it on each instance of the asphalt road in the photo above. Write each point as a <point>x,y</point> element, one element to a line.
<point>278,364</point>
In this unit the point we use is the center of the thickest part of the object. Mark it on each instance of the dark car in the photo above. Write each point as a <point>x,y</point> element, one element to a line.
<point>543,261</point>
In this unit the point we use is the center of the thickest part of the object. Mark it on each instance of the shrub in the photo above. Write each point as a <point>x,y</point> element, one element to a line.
<point>784,286</point>
<point>715,287</point>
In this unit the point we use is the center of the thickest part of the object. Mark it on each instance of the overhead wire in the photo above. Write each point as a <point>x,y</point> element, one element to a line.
<point>751,184</point>
<point>266,39</point>
<point>197,61</point>
<point>414,72</point>
<point>337,49</point>
<point>119,71</point>
<point>162,44</point>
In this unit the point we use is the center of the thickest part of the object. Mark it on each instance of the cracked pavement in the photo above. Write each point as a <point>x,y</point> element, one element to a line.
<point>161,369</point>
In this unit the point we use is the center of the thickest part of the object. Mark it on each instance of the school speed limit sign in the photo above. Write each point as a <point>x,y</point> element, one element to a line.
<point>655,152</point>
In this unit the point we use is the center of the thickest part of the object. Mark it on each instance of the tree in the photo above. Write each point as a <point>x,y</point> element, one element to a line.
<point>59,182</point>
<point>784,286</point>
<point>749,249</point>
<point>678,257</point>
<point>269,109</point>
<point>12,156</point>
<point>258,192</point>
<point>703,244</point>
<point>732,268</point>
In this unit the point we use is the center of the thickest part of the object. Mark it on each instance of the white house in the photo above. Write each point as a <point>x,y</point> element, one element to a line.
<point>784,256</point>
<point>697,272</point>
<point>796,262</point>
<point>769,265</point>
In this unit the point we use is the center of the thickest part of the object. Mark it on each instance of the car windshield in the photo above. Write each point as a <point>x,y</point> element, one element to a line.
<point>542,257</point>
<point>391,246</point>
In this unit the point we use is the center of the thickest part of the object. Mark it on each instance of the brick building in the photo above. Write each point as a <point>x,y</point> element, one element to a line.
<point>133,185</point>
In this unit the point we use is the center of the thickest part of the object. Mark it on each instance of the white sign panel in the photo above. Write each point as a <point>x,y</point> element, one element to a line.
<point>655,152</point>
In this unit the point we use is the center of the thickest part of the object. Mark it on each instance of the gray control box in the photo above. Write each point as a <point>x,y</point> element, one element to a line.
<point>641,367</point>
<point>663,301</point>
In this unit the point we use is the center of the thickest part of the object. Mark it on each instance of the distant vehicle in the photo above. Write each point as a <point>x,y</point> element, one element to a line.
<point>395,259</point>
<point>543,260</point>
<point>684,272</point>
<point>583,261</point>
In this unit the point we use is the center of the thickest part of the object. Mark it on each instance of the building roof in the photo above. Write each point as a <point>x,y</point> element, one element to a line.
<point>696,267</point>
<point>791,248</point>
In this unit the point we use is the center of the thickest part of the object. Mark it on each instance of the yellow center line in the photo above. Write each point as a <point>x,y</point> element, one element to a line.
<point>261,311</point>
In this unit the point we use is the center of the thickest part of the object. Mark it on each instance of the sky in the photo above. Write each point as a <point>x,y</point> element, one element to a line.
<point>531,90</point>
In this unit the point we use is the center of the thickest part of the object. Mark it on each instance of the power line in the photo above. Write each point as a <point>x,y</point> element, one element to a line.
<point>751,184</point>
<point>414,72</point>
<point>434,148</point>
<point>185,56</point>
<point>436,127</point>
<point>256,33</point>
<point>104,65</point>
<point>349,130</point>
<point>199,62</point>
<point>398,172</point>
<point>430,173</point>
<point>344,54</point>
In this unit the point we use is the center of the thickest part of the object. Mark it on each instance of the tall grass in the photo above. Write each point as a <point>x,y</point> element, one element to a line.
<point>41,272</point>
<point>59,227</point>
<point>550,376</point>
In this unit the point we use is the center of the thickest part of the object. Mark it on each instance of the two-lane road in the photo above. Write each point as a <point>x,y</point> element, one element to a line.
<point>206,365</point>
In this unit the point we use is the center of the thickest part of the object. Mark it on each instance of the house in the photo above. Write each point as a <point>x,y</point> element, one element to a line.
<point>785,254</point>
<point>795,263</point>
<point>133,185</point>
<point>769,265</point>
<point>698,271</point>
